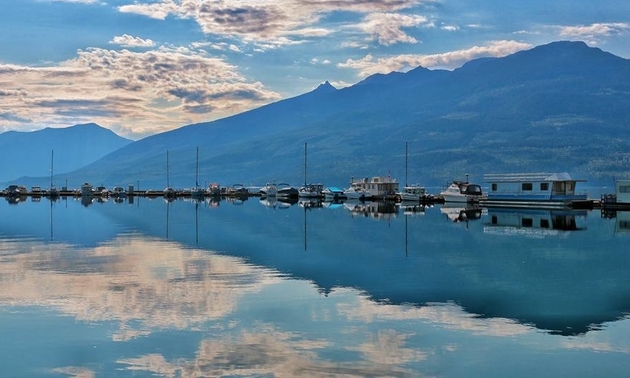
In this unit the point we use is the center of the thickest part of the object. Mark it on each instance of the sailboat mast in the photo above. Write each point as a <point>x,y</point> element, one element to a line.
<point>52,166</point>
<point>305,146</point>
<point>197,171</point>
<point>406,153</point>
<point>168,183</point>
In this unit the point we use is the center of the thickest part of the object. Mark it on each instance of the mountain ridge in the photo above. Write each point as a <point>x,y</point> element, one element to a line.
<point>555,107</point>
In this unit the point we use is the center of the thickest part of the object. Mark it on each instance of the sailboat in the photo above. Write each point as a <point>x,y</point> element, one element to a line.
<point>410,192</point>
<point>168,192</point>
<point>53,193</point>
<point>197,192</point>
<point>309,190</point>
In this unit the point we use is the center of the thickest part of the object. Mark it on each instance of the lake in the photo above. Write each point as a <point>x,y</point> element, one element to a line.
<point>264,288</point>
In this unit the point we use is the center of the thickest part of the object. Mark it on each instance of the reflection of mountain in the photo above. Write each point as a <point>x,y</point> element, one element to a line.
<point>565,285</point>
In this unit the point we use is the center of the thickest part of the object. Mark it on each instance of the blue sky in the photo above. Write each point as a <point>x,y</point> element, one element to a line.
<point>147,66</point>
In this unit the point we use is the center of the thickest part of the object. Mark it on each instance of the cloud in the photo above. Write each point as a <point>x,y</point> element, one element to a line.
<point>150,91</point>
<point>386,28</point>
<point>594,32</point>
<point>126,40</point>
<point>370,65</point>
<point>277,22</point>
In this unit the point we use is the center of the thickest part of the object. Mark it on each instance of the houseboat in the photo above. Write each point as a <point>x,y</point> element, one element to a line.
<point>544,190</point>
<point>620,200</point>
<point>379,187</point>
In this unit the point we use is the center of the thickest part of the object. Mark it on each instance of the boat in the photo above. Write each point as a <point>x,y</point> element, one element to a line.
<point>620,200</point>
<point>197,191</point>
<point>333,193</point>
<point>286,191</point>
<point>414,193</point>
<point>87,190</point>
<point>118,192</point>
<point>410,192</point>
<point>548,190</point>
<point>357,193</point>
<point>378,187</point>
<point>237,190</point>
<point>53,193</point>
<point>269,190</point>
<point>309,190</point>
<point>168,192</point>
<point>462,192</point>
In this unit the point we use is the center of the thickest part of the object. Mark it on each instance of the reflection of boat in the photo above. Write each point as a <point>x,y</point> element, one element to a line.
<point>534,222</point>
<point>333,193</point>
<point>310,203</point>
<point>412,209</point>
<point>462,192</point>
<point>269,190</point>
<point>286,191</point>
<point>377,209</point>
<point>555,190</point>
<point>280,203</point>
<point>461,213</point>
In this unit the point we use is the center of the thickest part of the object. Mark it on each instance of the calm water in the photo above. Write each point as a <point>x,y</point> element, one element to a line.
<point>181,289</point>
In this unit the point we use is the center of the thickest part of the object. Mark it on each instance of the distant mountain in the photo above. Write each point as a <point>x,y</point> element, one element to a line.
<point>30,153</point>
<point>556,107</point>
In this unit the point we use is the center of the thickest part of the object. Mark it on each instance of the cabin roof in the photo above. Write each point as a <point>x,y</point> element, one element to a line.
<point>520,177</point>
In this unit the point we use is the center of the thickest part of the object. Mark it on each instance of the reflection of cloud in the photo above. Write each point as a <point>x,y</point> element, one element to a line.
<point>154,91</point>
<point>267,351</point>
<point>368,65</point>
<point>449,316</point>
<point>151,285</point>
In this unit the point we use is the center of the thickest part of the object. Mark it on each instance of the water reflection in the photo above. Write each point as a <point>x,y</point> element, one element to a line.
<point>231,291</point>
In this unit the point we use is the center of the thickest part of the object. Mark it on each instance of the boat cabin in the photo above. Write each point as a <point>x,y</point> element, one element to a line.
<point>379,186</point>
<point>558,187</point>
<point>622,190</point>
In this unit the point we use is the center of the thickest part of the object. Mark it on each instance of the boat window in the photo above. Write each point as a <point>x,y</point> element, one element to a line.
<point>494,187</point>
<point>527,186</point>
<point>494,219</point>
<point>544,186</point>
<point>624,188</point>
<point>544,223</point>
<point>527,222</point>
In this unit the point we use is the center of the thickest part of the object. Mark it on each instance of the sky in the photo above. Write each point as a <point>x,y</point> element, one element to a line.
<point>141,67</point>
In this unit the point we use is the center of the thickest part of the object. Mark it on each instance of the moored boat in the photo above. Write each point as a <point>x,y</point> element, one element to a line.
<point>555,190</point>
<point>333,193</point>
<point>462,192</point>
<point>269,190</point>
<point>286,191</point>
<point>357,193</point>
<point>413,193</point>
<point>311,191</point>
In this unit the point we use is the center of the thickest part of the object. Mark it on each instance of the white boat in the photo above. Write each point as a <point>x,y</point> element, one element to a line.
<point>378,187</point>
<point>356,192</point>
<point>333,193</point>
<point>269,190</point>
<point>413,193</point>
<point>550,190</point>
<point>462,192</point>
<point>311,191</point>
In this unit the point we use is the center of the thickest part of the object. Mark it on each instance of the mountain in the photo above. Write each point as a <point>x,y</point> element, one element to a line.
<point>30,153</point>
<point>556,107</point>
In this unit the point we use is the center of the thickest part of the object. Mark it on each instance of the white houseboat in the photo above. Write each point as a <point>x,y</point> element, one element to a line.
<point>621,199</point>
<point>378,187</point>
<point>549,190</point>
